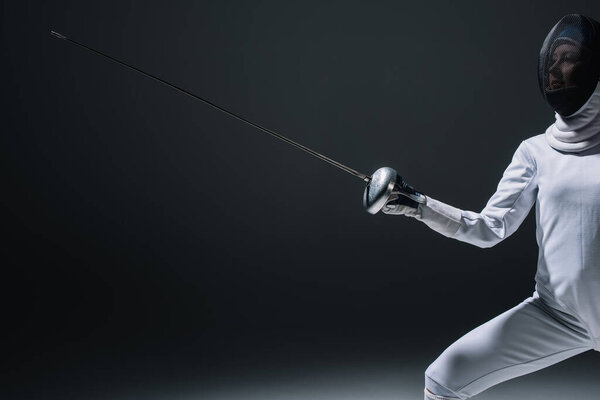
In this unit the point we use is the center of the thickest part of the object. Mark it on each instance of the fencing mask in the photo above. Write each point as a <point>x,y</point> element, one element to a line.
<point>569,63</point>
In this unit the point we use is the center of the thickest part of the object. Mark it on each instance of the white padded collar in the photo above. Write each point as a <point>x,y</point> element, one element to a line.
<point>580,131</point>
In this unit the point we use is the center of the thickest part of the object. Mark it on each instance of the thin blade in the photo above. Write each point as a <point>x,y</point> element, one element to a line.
<point>341,166</point>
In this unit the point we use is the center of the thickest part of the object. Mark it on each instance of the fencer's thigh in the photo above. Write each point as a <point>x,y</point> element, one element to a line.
<point>524,339</point>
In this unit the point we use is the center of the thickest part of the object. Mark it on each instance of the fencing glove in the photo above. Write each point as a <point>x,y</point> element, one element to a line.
<point>439,216</point>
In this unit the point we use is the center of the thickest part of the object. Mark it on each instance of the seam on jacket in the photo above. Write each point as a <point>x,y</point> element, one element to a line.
<point>533,175</point>
<point>581,238</point>
<point>525,146</point>
<point>457,229</point>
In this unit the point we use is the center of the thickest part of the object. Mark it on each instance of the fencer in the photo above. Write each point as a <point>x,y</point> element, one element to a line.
<point>559,172</point>
<point>556,171</point>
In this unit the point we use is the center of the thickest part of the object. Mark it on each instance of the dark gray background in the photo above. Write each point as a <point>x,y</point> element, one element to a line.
<point>152,244</point>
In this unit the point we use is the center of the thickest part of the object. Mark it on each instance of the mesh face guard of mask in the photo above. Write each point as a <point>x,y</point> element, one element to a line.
<point>569,63</point>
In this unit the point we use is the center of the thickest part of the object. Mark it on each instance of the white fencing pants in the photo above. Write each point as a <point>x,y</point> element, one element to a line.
<point>531,336</point>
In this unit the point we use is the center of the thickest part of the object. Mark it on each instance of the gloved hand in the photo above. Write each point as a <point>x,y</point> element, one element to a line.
<point>401,201</point>
<point>405,200</point>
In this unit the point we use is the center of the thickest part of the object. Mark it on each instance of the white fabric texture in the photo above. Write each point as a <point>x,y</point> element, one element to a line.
<point>565,187</point>
<point>531,336</point>
<point>566,190</point>
<point>507,208</point>
<point>502,215</point>
<point>431,396</point>
<point>440,217</point>
<point>579,131</point>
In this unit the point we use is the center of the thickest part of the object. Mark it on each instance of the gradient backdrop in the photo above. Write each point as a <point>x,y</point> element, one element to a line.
<point>155,248</point>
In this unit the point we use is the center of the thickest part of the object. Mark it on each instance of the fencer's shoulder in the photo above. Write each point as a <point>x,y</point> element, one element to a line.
<point>530,150</point>
<point>535,146</point>
<point>537,141</point>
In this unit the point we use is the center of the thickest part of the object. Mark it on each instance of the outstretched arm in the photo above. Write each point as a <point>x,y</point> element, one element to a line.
<point>503,214</point>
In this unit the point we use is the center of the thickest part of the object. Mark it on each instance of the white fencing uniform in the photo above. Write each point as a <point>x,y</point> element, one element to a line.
<point>559,172</point>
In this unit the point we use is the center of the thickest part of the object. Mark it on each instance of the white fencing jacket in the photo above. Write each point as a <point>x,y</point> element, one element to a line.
<point>564,184</point>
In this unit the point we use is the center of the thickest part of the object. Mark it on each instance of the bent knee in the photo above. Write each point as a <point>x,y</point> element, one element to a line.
<point>430,396</point>
<point>443,383</point>
<point>435,391</point>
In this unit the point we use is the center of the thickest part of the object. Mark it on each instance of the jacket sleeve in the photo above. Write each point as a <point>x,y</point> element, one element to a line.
<point>503,214</point>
